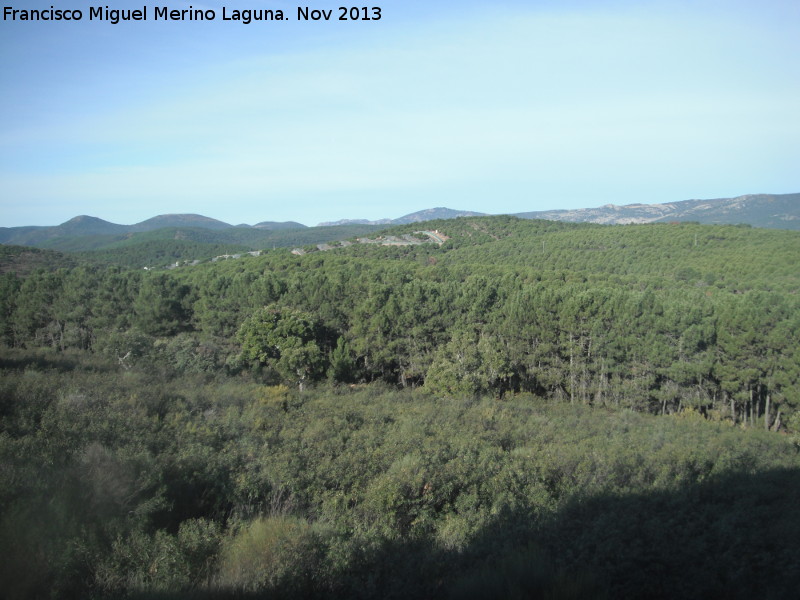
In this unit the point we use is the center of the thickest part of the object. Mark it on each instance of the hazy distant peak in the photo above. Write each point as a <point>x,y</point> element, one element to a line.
<point>180,220</point>
<point>87,225</point>
<point>429,214</point>
<point>439,212</point>
<point>81,219</point>
<point>760,210</point>
<point>279,225</point>
<point>354,222</point>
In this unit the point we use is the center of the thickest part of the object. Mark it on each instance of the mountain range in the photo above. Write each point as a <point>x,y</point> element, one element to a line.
<point>104,232</point>
<point>85,225</point>
<point>760,210</point>
<point>778,211</point>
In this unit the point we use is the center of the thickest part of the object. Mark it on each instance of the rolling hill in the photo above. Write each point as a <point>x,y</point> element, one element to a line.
<point>82,226</point>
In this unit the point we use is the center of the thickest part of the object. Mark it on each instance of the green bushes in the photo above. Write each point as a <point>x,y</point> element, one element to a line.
<point>161,562</point>
<point>278,553</point>
<point>116,483</point>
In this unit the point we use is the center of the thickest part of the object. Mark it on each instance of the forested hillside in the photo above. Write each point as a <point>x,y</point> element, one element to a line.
<point>531,408</point>
<point>656,318</point>
<point>158,248</point>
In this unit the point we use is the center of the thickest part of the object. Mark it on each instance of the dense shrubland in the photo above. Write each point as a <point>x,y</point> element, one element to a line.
<point>532,409</point>
<point>121,482</point>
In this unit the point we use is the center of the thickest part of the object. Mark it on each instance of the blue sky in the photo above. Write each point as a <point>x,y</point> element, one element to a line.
<point>497,107</point>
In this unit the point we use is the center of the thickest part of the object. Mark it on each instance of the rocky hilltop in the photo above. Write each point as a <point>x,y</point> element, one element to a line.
<point>760,210</point>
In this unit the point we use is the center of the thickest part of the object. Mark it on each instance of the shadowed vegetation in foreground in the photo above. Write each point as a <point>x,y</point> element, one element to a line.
<point>116,484</point>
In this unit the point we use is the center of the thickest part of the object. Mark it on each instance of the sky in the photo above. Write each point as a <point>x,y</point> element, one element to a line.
<point>495,107</point>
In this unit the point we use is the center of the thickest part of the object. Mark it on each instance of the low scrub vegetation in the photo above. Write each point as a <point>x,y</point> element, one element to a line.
<point>118,485</point>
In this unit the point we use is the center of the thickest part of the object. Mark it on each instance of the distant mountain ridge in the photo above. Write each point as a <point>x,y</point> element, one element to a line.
<point>777,211</point>
<point>85,226</point>
<point>780,211</point>
<point>429,214</point>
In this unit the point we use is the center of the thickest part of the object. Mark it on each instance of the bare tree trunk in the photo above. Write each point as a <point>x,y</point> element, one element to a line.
<point>571,372</point>
<point>584,386</point>
<point>766,414</point>
<point>122,360</point>
<point>777,425</point>
<point>600,384</point>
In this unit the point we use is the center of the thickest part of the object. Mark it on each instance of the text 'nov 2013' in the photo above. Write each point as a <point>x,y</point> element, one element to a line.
<point>244,16</point>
